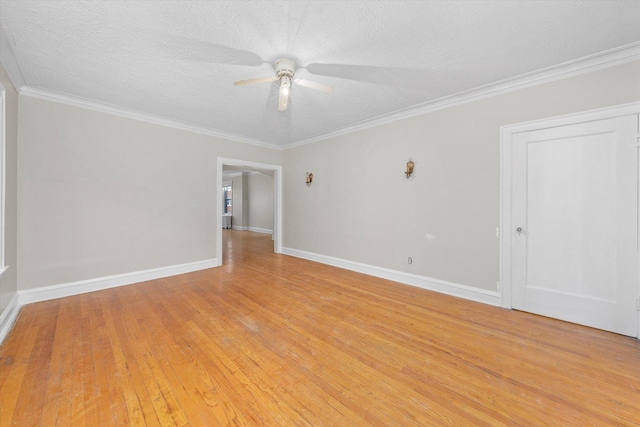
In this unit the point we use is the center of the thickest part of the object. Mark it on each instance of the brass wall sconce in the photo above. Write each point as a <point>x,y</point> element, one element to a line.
<point>309,179</point>
<point>409,170</point>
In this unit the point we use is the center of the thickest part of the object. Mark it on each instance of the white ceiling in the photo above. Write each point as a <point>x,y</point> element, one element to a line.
<point>178,59</point>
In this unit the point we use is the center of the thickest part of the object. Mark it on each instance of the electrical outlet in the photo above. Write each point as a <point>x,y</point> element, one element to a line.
<point>410,261</point>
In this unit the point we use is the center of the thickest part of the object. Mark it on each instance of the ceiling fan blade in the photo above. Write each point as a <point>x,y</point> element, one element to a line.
<point>191,49</point>
<point>386,76</point>
<point>314,85</point>
<point>253,81</point>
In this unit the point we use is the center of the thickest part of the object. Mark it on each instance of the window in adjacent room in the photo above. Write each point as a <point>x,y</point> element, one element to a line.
<point>227,199</point>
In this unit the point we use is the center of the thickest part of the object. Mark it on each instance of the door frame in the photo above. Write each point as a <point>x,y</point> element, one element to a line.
<point>506,185</point>
<point>277,201</point>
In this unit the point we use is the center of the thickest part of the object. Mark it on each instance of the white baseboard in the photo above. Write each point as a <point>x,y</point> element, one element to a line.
<point>75,288</point>
<point>260,230</point>
<point>441,286</point>
<point>254,229</point>
<point>9,316</point>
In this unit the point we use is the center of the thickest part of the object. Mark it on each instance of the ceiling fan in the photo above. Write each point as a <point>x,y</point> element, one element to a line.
<point>285,70</point>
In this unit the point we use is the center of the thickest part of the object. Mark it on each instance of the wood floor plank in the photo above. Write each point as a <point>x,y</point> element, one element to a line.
<point>128,360</point>
<point>130,396</point>
<point>15,364</point>
<point>57,405</point>
<point>278,341</point>
<point>177,369</point>
<point>247,366</point>
<point>213,388</point>
<point>258,354</point>
<point>72,382</point>
<point>375,348</point>
<point>30,402</point>
<point>330,366</point>
<point>167,408</point>
<point>381,354</point>
<point>110,381</point>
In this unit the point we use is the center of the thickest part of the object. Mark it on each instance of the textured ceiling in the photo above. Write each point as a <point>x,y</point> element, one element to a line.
<point>178,59</point>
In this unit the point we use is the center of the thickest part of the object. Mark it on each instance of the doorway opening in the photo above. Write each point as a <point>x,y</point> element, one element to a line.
<point>276,170</point>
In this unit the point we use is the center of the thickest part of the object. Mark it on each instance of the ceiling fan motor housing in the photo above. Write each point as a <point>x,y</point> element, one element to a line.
<point>285,67</point>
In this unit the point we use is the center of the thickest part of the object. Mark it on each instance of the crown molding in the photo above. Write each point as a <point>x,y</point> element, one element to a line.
<point>61,98</point>
<point>609,58</point>
<point>606,59</point>
<point>9,62</point>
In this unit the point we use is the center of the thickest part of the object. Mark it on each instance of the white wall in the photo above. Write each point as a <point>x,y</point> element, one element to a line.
<point>260,187</point>
<point>238,219</point>
<point>101,194</point>
<point>245,202</point>
<point>8,281</point>
<point>252,201</point>
<point>361,208</point>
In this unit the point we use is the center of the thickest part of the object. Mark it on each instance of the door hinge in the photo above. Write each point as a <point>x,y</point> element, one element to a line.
<point>638,303</point>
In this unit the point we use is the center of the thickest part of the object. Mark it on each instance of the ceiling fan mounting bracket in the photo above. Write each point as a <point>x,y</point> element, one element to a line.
<point>285,67</point>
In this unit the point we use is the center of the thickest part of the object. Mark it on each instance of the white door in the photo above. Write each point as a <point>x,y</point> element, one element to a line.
<point>575,223</point>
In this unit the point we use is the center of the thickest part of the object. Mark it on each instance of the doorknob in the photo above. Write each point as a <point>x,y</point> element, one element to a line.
<point>519,230</point>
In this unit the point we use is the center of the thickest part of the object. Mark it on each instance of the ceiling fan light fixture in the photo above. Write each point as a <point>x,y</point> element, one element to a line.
<point>285,85</point>
<point>285,70</point>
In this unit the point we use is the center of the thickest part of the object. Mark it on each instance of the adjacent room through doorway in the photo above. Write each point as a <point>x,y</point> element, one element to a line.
<point>255,203</point>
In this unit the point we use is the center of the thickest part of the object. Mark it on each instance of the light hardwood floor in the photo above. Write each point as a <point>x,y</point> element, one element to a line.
<point>274,340</point>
